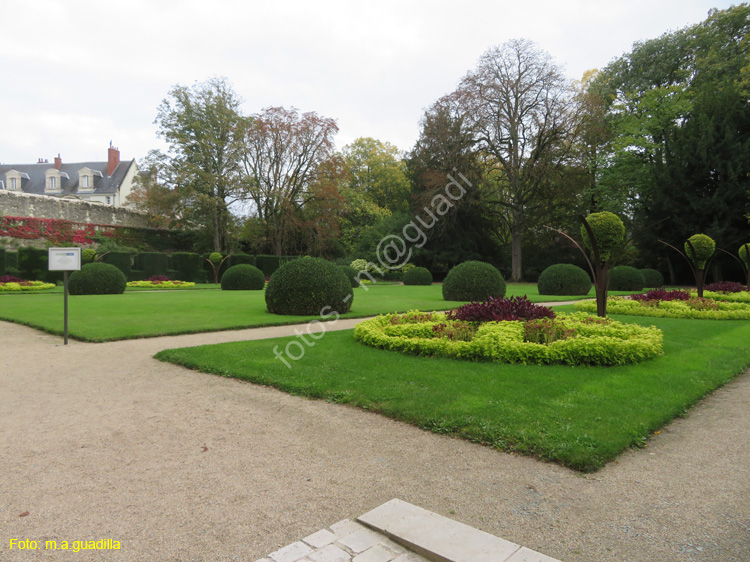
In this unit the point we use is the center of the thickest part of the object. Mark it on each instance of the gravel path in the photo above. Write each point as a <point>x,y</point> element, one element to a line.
<point>100,441</point>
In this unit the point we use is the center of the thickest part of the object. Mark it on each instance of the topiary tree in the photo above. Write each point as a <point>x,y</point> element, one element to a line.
<point>652,278</point>
<point>216,261</point>
<point>473,281</point>
<point>243,277</point>
<point>88,256</point>
<point>97,278</point>
<point>626,278</point>
<point>351,274</point>
<point>564,279</point>
<point>418,276</point>
<point>744,253</point>
<point>309,286</point>
<point>699,249</point>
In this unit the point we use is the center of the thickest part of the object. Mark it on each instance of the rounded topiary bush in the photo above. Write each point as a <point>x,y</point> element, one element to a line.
<point>88,255</point>
<point>564,279</point>
<point>418,276</point>
<point>652,278</point>
<point>243,277</point>
<point>704,248</point>
<point>626,278</point>
<point>309,286</point>
<point>351,274</point>
<point>609,232</point>
<point>473,281</point>
<point>97,279</point>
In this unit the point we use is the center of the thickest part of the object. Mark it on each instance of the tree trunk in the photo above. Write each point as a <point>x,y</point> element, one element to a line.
<point>515,248</point>
<point>602,280</point>
<point>699,277</point>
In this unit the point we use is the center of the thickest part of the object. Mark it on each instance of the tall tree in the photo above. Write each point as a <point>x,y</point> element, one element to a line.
<point>283,153</point>
<point>678,109</point>
<point>522,113</point>
<point>377,170</point>
<point>202,126</point>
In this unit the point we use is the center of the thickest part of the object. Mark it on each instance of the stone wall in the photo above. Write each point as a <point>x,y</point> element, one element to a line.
<point>46,207</point>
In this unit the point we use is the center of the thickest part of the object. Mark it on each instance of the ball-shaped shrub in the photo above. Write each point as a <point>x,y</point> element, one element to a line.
<point>418,276</point>
<point>473,281</point>
<point>88,255</point>
<point>351,274</point>
<point>309,286</point>
<point>652,278</point>
<point>609,232</point>
<point>704,247</point>
<point>626,278</point>
<point>744,253</point>
<point>564,279</point>
<point>97,279</point>
<point>215,258</point>
<point>243,277</point>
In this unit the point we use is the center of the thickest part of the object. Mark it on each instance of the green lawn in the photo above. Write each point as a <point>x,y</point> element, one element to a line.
<point>137,314</point>
<point>581,417</point>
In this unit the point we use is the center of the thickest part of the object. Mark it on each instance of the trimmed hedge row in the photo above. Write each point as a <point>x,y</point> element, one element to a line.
<point>597,342</point>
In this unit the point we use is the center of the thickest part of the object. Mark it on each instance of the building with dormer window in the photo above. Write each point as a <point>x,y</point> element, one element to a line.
<point>108,182</point>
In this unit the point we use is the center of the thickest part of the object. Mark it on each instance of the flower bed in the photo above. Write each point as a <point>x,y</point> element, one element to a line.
<point>161,284</point>
<point>739,296</point>
<point>693,307</point>
<point>25,286</point>
<point>575,339</point>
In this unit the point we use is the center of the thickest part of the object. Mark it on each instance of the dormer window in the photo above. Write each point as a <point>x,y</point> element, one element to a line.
<point>54,180</point>
<point>16,180</point>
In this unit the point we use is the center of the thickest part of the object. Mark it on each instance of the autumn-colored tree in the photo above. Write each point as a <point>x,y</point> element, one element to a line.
<point>283,151</point>
<point>156,199</point>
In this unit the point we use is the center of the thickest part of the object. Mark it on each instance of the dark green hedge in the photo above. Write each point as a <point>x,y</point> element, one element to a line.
<point>97,279</point>
<point>2,261</point>
<point>626,278</point>
<point>268,264</point>
<point>243,277</point>
<point>564,279</point>
<point>152,263</point>
<point>11,260</point>
<point>351,274</point>
<point>418,276</point>
<point>186,266</point>
<point>309,286</point>
<point>237,259</point>
<point>473,281</point>
<point>652,278</point>
<point>121,260</point>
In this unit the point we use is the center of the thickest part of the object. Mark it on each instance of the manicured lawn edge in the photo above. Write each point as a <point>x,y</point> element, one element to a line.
<point>580,417</point>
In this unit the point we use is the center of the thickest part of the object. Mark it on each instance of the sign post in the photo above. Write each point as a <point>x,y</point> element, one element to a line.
<point>65,260</point>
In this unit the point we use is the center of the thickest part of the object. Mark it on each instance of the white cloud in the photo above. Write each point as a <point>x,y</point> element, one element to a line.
<point>81,72</point>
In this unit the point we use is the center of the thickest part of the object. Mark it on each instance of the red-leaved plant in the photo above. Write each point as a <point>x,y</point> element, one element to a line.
<point>11,279</point>
<point>496,310</point>
<point>156,279</point>
<point>662,295</point>
<point>725,287</point>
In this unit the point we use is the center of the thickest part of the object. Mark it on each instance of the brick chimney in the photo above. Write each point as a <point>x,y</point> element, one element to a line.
<point>58,161</point>
<point>113,159</point>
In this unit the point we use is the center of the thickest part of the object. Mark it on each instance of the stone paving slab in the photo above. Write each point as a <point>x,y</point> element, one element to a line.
<point>443,539</point>
<point>398,531</point>
<point>345,541</point>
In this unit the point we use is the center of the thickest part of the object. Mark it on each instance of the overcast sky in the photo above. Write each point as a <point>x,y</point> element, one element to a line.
<point>81,73</point>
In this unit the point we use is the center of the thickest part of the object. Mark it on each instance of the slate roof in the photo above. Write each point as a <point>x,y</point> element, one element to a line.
<point>102,185</point>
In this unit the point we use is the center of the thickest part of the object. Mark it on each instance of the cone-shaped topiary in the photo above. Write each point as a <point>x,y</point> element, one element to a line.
<point>309,286</point>
<point>609,232</point>
<point>626,278</point>
<point>351,274</point>
<point>652,278</point>
<point>473,281</point>
<point>97,279</point>
<point>418,276</point>
<point>564,279</point>
<point>704,248</point>
<point>243,277</point>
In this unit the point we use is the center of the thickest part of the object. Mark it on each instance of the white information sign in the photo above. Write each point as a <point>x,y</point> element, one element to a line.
<point>64,259</point>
